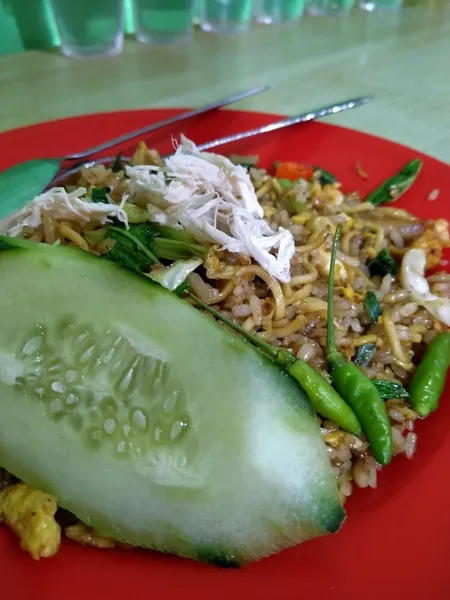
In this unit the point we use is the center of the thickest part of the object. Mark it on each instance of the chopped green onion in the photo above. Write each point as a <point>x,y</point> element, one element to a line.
<point>325,176</point>
<point>295,206</point>
<point>118,165</point>
<point>364,354</point>
<point>396,186</point>
<point>285,184</point>
<point>390,390</point>
<point>373,307</point>
<point>99,194</point>
<point>382,264</point>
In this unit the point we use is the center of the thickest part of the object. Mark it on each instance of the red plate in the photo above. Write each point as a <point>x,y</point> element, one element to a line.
<point>395,543</point>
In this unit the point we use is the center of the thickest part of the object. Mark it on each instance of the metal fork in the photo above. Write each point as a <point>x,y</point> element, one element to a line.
<point>318,113</point>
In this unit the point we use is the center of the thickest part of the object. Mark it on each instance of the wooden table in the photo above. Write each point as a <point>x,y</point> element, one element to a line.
<point>402,58</point>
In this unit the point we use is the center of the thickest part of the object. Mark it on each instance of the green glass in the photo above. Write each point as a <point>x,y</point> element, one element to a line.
<point>89,27</point>
<point>371,5</point>
<point>278,11</point>
<point>226,16</point>
<point>329,7</point>
<point>163,21</point>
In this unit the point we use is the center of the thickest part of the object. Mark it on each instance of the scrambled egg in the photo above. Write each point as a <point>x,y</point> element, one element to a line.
<point>433,240</point>
<point>87,536</point>
<point>30,514</point>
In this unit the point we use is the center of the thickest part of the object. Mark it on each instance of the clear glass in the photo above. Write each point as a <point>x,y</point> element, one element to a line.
<point>163,21</point>
<point>329,7</point>
<point>89,27</point>
<point>198,6</point>
<point>226,16</point>
<point>371,5</point>
<point>278,11</point>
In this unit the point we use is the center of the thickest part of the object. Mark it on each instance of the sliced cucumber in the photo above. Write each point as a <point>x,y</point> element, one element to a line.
<point>148,420</point>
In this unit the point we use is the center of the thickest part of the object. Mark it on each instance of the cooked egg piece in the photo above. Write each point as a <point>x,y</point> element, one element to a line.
<point>433,240</point>
<point>412,277</point>
<point>31,515</point>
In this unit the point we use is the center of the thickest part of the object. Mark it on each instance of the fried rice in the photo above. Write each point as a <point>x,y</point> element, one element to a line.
<point>293,315</point>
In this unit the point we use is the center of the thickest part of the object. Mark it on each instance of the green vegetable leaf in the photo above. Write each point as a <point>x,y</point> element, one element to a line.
<point>173,250</point>
<point>135,214</point>
<point>96,236</point>
<point>179,235</point>
<point>133,248</point>
<point>118,165</point>
<point>364,354</point>
<point>390,390</point>
<point>373,307</point>
<point>325,176</point>
<point>382,264</point>
<point>173,277</point>
<point>23,182</point>
<point>99,194</point>
<point>396,186</point>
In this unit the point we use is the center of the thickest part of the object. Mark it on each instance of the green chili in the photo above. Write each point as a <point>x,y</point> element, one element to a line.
<point>357,389</point>
<point>428,381</point>
<point>395,186</point>
<point>324,399</point>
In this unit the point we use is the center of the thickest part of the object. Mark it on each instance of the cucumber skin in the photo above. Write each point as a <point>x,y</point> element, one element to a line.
<point>54,262</point>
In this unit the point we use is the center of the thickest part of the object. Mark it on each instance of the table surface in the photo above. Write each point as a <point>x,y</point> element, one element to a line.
<point>402,58</point>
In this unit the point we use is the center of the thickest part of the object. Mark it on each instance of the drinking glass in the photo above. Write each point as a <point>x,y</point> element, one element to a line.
<point>89,27</point>
<point>329,7</point>
<point>371,5</point>
<point>278,11</point>
<point>226,16</point>
<point>163,21</point>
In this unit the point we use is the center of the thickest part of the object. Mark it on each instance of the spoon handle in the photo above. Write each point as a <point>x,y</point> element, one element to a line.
<point>303,118</point>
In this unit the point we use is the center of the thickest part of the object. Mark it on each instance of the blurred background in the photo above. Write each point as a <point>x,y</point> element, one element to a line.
<point>64,57</point>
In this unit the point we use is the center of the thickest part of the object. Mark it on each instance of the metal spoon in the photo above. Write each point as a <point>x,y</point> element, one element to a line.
<point>242,135</point>
<point>22,182</point>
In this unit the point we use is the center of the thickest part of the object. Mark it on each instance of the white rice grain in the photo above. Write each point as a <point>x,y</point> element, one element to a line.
<point>411,444</point>
<point>433,195</point>
<point>399,440</point>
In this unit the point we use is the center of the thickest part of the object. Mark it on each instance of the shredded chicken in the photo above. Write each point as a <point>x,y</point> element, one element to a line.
<point>62,205</point>
<point>31,515</point>
<point>215,200</point>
